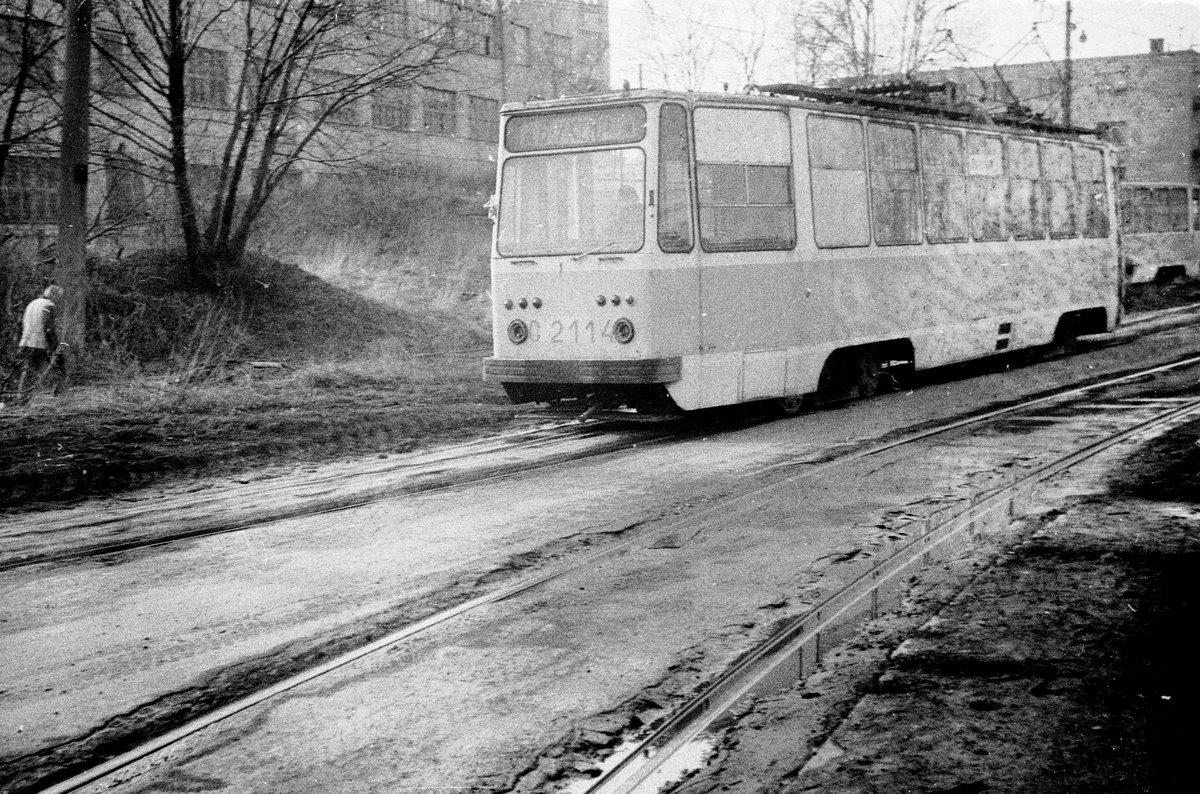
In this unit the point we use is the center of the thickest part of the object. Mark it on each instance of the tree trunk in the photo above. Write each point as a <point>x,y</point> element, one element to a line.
<point>73,173</point>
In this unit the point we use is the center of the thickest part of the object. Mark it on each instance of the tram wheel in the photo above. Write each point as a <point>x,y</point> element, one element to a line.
<point>790,406</point>
<point>872,379</point>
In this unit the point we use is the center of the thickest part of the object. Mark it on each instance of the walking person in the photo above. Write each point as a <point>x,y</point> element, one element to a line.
<point>39,350</point>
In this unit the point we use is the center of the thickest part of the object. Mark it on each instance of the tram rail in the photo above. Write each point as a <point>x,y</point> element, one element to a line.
<point>806,632</point>
<point>606,430</point>
<point>793,652</point>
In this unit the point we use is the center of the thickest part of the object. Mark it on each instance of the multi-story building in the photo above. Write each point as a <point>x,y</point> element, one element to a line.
<point>430,142</point>
<point>1148,103</point>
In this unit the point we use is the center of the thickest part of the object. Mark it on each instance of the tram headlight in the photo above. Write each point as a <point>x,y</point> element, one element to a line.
<point>622,331</point>
<point>518,332</point>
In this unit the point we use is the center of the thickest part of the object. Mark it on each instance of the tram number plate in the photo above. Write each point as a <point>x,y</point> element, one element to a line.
<point>558,332</point>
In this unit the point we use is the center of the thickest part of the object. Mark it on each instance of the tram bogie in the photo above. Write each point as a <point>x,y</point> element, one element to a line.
<point>655,248</point>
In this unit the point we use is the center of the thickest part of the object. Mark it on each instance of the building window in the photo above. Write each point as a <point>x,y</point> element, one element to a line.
<point>522,51</point>
<point>440,111</point>
<point>26,42</point>
<point>337,10</point>
<point>477,32</point>
<point>391,110</point>
<point>433,21</point>
<point>29,192</point>
<point>110,48</point>
<point>329,88</point>
<point>483,118</point>
<point>207,79</point>
<point>556,49</point>
<point>126,191</point>
<point>996,92</point>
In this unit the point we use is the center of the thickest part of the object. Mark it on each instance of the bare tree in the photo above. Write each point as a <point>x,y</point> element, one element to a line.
<point>869,38</point>
<point>747,44</point>
<point>679,45</point>
<point>251,88</point>
<point>28,37</point>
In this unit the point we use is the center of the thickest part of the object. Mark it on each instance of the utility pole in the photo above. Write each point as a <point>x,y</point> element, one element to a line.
<point>1068,78</point>
<point>73,168</point>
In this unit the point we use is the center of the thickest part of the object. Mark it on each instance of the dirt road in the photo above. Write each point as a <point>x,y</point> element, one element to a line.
<point>526,692</point>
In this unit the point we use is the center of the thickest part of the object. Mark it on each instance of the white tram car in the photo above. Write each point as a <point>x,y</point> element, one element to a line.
<point>662,249</point>
<point>1160,230</point>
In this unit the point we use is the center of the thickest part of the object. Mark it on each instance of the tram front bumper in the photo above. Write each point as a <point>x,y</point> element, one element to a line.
<point>649,370</point>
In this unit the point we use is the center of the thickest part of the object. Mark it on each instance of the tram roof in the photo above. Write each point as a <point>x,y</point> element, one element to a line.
<point>829,99</point>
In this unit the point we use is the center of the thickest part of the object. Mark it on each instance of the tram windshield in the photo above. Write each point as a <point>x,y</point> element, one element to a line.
<point>572,203</point>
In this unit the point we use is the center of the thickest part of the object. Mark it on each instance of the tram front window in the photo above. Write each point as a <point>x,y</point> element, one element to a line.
<point>573,203</point>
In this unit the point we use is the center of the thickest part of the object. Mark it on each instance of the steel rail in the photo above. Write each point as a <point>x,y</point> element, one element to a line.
<point>326,505</point>
<point>135,754</point>
<point>374,496</point>
<point>838,609</point>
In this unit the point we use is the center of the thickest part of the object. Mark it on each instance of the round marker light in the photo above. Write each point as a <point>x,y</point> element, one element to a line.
<point>616,299</point>
<point>518,332</point>
<point>522,303</point>
<point>601,300</point>
<point>537,303</point>
<point>622,331</point>
<point>508,304</point>
<point>629,301</point>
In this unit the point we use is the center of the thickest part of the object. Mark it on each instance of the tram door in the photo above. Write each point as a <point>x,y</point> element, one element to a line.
<point>747,222</point>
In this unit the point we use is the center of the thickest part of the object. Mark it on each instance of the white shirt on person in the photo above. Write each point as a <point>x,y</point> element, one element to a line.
<point>39,318</point>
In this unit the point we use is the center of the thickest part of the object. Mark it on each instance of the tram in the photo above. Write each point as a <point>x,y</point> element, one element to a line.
<point>664,250</point>
<point>1160,230</point>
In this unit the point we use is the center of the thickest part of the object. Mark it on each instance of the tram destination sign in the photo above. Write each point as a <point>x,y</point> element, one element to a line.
<point>569,129</point>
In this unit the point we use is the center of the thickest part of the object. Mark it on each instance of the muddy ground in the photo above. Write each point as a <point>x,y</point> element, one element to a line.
<point>64,449</point>
<point>77,446</point>
<point>1063,665</point>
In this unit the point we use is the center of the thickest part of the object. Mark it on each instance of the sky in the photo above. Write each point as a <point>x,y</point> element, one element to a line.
<point>988,31</point>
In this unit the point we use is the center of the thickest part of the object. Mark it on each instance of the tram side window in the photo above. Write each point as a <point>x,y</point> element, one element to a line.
<point>893,151</point>
<point>1093,199</point>
<point>945,186</point>
<point>674,193</point>
<point>1171,210</point>
<point>839,182</point>
<point>1060,189</point>
<point>1195,209</point>
<point>1025,213</point>
<point>1136,209</point>
<point>986,183</point>
<point>744,170</point>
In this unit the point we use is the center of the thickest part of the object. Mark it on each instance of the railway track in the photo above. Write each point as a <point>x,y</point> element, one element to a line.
<point>192,517</point>
<point>551,441</point>
<point>808,632</point>
<point>796,649</point>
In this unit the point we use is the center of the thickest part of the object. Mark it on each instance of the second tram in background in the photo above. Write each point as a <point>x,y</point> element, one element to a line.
<point>660,250</point>
<point>1160,230</point>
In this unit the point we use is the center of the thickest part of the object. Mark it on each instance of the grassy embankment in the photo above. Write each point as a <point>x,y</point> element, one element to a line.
<point>274,366</point>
